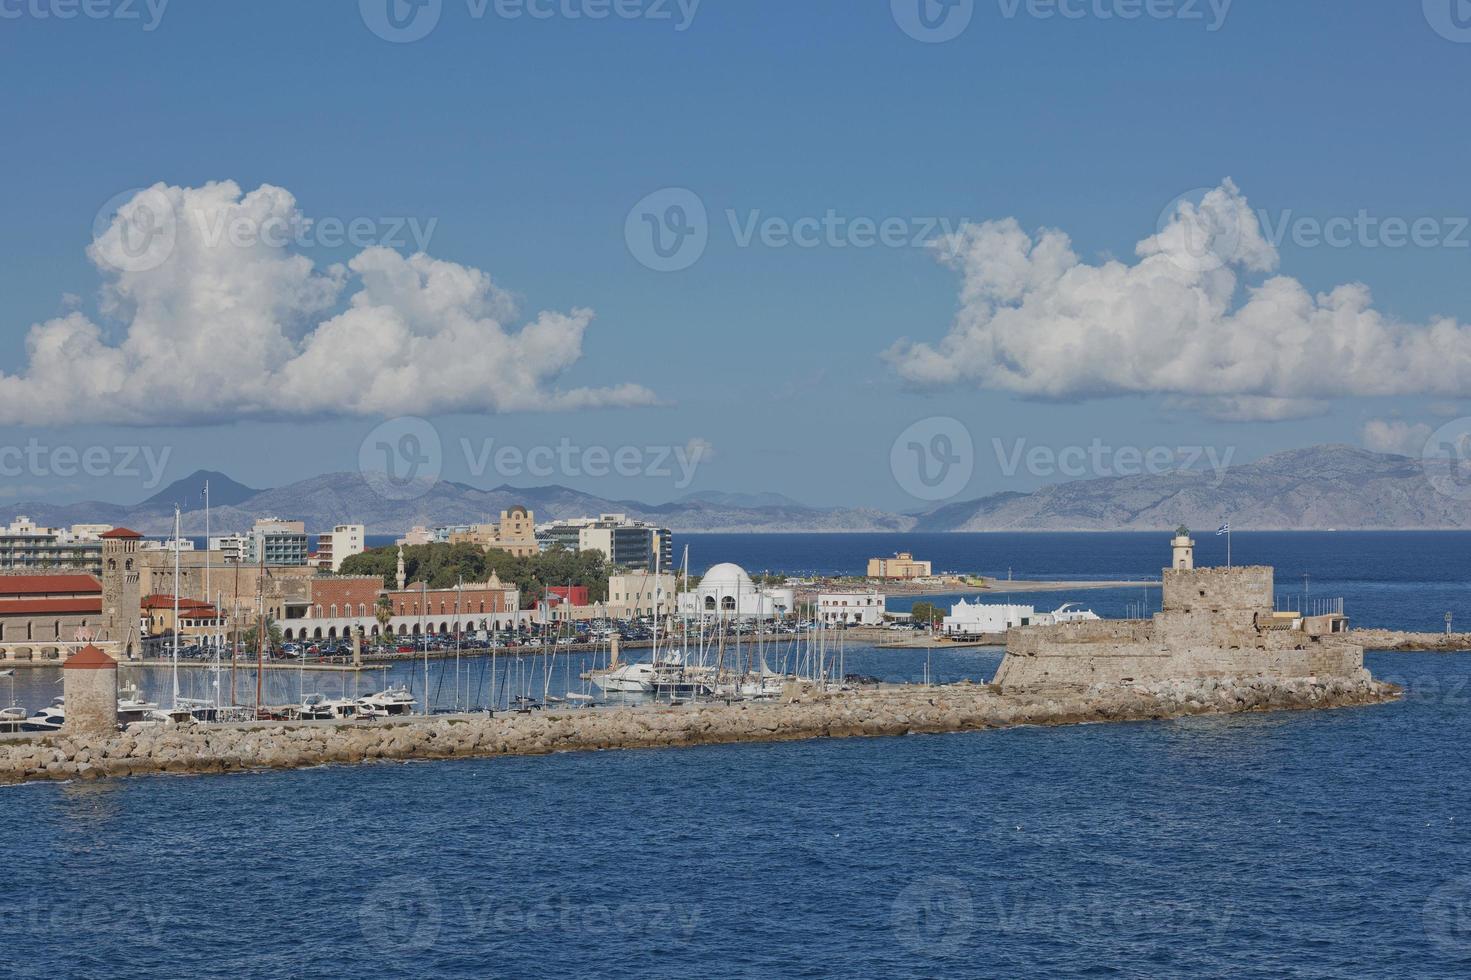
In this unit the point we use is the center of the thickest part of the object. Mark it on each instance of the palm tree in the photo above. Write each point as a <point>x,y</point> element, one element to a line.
<point>383,612</point>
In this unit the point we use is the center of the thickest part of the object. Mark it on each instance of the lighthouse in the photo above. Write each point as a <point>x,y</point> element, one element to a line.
<point>1184,549</point>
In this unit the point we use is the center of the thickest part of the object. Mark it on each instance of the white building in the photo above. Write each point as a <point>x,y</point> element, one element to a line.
<point>978,619</point>
<point>341,543</point>
<point>232,547</point>
<point>727,592</point>
<point>640,594</point>
<point>862,608</point>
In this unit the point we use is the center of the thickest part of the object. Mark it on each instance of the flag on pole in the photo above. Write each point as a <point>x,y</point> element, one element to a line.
<point>1224,529</point>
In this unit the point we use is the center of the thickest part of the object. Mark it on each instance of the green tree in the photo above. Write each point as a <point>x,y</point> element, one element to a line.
<point>927,613</point>
<point>273,637</point>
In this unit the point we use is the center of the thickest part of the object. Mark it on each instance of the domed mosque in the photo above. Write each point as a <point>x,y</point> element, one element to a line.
<point>727,592</point>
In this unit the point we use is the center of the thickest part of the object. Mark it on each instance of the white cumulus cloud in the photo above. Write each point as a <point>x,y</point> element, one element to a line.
<point>1180,321</point>
<point>219,319</point>
<point>1394,436</point>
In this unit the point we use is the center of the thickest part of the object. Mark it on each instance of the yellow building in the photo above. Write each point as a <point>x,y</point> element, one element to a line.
<point>901,566</point>
<point>516,534</point>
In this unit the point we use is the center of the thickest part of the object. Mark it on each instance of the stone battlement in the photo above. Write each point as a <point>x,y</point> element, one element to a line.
<point>1244,589</point>
<point>1216,622</point>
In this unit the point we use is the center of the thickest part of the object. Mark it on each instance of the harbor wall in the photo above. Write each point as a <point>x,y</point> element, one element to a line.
<point>886,712</point>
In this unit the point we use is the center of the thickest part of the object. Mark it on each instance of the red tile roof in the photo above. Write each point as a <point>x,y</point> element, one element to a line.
<point>120,532</point>
<point>36,607</point>
<point>89,658</point>
<point>48,584</point>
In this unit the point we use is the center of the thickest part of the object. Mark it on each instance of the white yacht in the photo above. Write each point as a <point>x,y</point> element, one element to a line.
<point>49,719</point>
<point>628,679</point>
<point>389,702</point>
<point>318,707</point>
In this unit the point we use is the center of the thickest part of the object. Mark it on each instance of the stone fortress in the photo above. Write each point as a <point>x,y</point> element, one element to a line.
<point>1216,622</point>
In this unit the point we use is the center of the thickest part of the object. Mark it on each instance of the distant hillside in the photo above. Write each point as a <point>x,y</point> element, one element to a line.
<point>338,498</point>
<point>1321,488</point>
<point>1306,489</point>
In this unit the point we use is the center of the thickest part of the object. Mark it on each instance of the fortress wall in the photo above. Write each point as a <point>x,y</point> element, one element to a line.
<point>1243,589</point>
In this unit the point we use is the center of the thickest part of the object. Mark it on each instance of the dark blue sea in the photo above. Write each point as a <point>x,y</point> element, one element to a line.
<point>1302,844</point>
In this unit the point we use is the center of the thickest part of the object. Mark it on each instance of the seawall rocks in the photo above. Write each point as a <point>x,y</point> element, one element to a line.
<point>886,712</point>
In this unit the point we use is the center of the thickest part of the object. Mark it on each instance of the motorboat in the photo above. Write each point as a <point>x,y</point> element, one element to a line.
<point>48,719</point>
<point>318,707</point>
<point>388,702</point>
<point>628,679</point>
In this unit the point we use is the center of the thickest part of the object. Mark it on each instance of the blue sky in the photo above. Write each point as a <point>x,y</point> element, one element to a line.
<point>527,141</point>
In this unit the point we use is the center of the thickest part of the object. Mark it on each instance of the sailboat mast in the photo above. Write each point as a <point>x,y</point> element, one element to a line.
<point>176,606</point>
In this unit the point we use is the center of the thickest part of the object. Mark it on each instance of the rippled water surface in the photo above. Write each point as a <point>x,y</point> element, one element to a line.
<point>1303,844</point>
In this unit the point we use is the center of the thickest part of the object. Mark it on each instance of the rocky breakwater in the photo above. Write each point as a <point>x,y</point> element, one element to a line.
<point>1399,641</point>
<point>885,712</point>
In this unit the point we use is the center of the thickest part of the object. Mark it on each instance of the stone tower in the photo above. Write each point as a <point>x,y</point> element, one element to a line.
<point>1184,548</point>
<point>90,686</point>
<point>401,577</point>
<point>122,598</point>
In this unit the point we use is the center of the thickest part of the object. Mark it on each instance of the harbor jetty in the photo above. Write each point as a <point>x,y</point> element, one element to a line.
<point>805,714</point>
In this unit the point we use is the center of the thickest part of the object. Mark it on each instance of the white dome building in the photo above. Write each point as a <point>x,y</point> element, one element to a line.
<point>727,592</point>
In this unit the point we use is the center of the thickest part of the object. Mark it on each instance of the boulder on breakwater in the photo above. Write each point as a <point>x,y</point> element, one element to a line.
<point>884,712</point>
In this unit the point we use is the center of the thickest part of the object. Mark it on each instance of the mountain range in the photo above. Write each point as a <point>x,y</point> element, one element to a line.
<point>1320,488</point>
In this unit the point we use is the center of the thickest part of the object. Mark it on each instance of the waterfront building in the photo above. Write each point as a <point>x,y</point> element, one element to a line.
<point>232,548</point>
<point>636,546</point>
<point>278,543</point>
<point>727,592</point>
<point>857,608</point>
<point>633,595</point>
<point>341,543</point>
<point>196,618</point>
<point>39,614</point>
<point>26,545</point>
<point>902,566</point>
<point>417,535</point>
<point>169,544</point>
<point>515,534</point>
<point>979,619</point>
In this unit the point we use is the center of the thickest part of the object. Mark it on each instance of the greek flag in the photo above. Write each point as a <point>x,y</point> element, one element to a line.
<point>1223,529</point>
